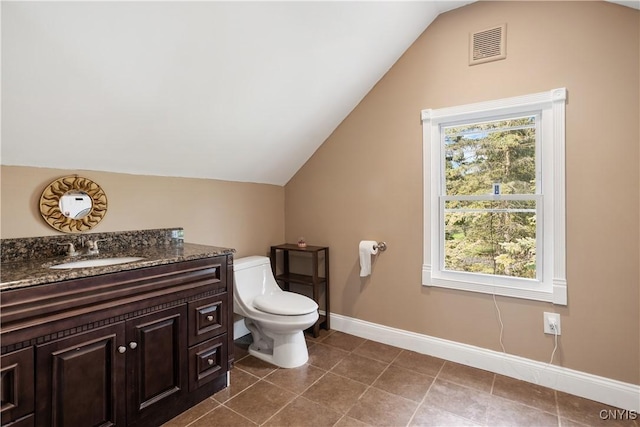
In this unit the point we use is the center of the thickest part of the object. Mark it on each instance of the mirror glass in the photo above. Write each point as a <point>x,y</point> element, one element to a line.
<point>73,204</point>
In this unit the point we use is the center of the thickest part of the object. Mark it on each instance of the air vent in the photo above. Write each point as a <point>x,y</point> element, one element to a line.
<point>488,45</point>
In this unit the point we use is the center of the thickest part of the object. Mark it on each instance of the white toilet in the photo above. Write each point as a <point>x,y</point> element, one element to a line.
<point>276,318</point>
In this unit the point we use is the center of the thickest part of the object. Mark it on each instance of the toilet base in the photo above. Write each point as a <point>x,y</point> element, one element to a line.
<point>288,351</point>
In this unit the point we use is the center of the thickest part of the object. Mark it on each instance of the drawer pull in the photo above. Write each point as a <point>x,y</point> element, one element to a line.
<point>210,362</point>
<point>210,318</point>
<point>133,345</point>
<point>122,349</point>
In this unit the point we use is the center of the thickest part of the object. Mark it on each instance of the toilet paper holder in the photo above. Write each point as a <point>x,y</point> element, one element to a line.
<point>381,246</point>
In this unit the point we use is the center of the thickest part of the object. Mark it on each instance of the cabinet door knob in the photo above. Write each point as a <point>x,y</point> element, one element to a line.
<point>209,318</point>
<point>210,362</point>
<point>122,349</point>
<point>133,345</point>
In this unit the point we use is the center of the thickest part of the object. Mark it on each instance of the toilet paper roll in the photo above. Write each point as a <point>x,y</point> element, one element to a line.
<point>367,249</point>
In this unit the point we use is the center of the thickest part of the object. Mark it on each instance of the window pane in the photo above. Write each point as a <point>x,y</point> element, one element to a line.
<point>480,154</point>
<point>501,243</point>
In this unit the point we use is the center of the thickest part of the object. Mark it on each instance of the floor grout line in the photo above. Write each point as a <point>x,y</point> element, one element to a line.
<point>424,398</point>
<point>281,409</point>
<point>458,379</point>
<point>238,413</point>
<point>206,413</point>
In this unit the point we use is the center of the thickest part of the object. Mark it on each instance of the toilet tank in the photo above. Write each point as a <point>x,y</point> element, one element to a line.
<point>252,276</point>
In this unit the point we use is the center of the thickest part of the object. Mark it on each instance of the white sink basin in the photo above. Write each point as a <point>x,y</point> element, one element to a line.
<point>100,262</point>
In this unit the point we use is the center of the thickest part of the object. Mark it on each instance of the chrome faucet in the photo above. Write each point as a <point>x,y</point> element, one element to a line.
<point>72,249</point>
<point>92,246</point>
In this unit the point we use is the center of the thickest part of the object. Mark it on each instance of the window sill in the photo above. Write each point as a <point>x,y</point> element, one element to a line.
<point>555,292</point>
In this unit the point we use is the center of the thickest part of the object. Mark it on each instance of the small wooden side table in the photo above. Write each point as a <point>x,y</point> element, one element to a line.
<point>316,280</point>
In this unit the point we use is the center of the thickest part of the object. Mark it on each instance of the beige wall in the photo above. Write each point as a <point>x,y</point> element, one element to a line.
<point>365,182</point>
<point>245,216</point>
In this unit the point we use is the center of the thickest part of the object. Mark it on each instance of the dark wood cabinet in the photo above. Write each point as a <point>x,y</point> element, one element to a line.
<point>132,348</point>
<point>313,273</point>
<point>156,351</point>
<point>27,421</point>
<point>17,386</point>
<point>83,376</point>
<point>208,322</point>
<point>207,361</point>
<point>208,317</point>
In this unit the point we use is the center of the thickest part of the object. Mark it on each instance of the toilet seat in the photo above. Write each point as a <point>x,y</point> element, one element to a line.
<point>285,304</point>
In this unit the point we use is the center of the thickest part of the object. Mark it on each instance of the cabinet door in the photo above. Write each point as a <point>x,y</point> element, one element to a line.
<point>156,361</point>
<point>80,379</point>
<point>16,375</point>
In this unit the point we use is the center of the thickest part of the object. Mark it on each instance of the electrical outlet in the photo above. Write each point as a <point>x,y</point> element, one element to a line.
<point>551,323</point>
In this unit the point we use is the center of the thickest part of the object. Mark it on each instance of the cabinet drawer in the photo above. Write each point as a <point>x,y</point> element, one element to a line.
<point>207,361</point>
<point>17,384</point>
<point>207,318</point>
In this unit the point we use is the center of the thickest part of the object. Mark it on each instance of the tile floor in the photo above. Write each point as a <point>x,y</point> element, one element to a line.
<point>350,381</point>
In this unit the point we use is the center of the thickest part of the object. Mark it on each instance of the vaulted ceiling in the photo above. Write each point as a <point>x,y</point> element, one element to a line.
<point>240,91</point>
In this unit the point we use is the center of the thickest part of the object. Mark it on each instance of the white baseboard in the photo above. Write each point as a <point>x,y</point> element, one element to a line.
<point>611,392</point>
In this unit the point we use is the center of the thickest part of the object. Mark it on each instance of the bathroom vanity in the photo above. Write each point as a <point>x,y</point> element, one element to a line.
<point>131,344</point>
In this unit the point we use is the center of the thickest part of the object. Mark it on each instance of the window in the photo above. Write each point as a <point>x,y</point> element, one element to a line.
<point>494,197</point>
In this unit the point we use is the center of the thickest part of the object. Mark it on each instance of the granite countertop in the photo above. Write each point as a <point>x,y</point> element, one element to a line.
<point>23,273</point>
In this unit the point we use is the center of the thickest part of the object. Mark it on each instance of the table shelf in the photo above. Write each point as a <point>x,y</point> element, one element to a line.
<point>300,279</point>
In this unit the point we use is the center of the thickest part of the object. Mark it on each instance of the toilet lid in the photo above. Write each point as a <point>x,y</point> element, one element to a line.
<point>285,303</point>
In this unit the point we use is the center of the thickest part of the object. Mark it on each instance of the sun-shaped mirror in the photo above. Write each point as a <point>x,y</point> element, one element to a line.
<point>73,204</point>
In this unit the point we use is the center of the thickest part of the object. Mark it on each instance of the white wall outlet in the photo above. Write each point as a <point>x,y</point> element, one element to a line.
<point>551,323</point>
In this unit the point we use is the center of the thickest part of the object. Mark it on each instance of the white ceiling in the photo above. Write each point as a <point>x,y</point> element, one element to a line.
<point>629,3</point>
<point>240,91</point>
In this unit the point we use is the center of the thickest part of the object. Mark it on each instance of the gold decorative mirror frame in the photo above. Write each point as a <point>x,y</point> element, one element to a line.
<point>50,204</point>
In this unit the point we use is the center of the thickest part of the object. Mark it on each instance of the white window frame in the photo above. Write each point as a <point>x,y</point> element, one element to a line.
<point>551,283</point>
